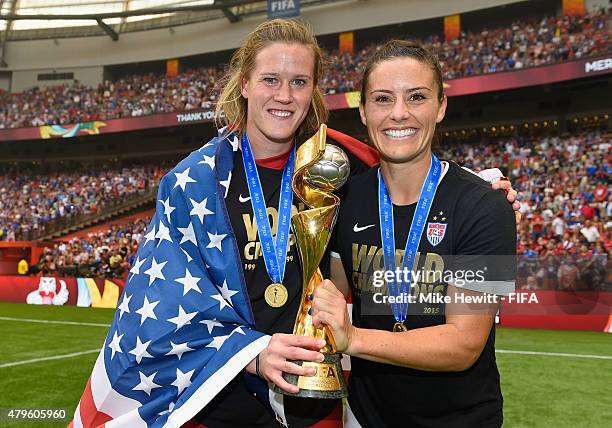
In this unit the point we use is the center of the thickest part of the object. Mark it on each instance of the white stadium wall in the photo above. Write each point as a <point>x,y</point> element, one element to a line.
<point>24,79</point>
<point>591,4</point>
<point>87,55</point>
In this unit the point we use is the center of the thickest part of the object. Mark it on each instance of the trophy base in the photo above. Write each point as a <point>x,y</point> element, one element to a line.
<point>327,383</point>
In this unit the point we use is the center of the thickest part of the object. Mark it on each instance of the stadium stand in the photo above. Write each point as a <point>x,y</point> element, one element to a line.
<point>527,43</point>
<point>107,254</point>
<point>566,200</point>
<point>564,182</point>
<point>33,202</point>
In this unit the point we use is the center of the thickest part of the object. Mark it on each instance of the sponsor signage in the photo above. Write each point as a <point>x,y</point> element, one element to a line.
<point>283,8</point>
<point>84,292</point>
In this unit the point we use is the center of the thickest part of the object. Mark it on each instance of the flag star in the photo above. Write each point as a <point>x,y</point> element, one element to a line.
<point>435,218</point>
<point>222,302</point>
<point>215,240</point>
<point>206,145</point>
<point>167,208</point>
<point>182,318</point>
<point>226,183</point>
<point>235,143</point>
<point>441,212</point>
<point>137,265</point>
<point>443,218</point>
<point>208,160</point>
<point>227,293</point>
<point>140,351</point>
<point>155,271</point>
<point>150,236</point>
<point>179,349</point>
<point>124,306</point>
<point>238,330</point>
<point>199,209</point>
<point>189,282</point>
<point>170,408</point>
<point>210,324</point>
<point>147,310</point>
<point>115,345</point>
<point>146,383</point>
<point>163,234</point>
<point>217,342</point>
<point>183,380</point>
<point>182,178</point>
<point>189,258</point>
<point>188,234</point>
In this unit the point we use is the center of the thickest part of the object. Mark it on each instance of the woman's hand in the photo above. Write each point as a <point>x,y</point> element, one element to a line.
<point>273,360</point>
<point>511,195</point>
<point>329,309</point>
<point>498,181</point>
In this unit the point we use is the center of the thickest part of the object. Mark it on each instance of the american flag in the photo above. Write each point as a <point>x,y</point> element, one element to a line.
<point>184,327</point>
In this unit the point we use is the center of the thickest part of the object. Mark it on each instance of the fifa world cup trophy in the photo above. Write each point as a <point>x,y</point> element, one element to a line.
<point>319,169</point>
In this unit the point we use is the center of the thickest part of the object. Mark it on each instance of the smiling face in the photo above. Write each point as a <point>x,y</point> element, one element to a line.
<point>401,109</point>
<point>278,92</point>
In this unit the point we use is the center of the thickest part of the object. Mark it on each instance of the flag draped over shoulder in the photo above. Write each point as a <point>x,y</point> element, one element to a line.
<point>184,326</point>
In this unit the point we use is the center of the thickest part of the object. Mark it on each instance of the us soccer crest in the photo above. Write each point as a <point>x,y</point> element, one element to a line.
<point>436,232</point>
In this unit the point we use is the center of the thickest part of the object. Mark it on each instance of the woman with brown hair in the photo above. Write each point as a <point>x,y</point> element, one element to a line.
<point>420,356</point>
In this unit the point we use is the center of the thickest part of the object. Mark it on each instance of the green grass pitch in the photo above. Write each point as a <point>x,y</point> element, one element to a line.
<point>539,390</point>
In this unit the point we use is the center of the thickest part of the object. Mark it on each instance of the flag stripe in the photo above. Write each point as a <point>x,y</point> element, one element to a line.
<point>76,423</point>
<point>90,417</point>
<point>108,401</point>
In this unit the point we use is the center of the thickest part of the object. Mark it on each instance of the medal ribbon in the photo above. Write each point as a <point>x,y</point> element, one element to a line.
<point>274,253</point>
<point>387,234</point>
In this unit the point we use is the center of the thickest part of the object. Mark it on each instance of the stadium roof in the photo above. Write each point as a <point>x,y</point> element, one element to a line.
<point>74,18</point>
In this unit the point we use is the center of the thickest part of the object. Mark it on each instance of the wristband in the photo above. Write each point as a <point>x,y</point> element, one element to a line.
<point>257,370</point>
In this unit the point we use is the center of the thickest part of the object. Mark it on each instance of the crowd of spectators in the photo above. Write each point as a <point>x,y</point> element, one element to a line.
<point>106,254</point>
<point>526,43</point>
<point>30,200</point>
<point>133,96</point>
<point>564,240</point>
<point>565,237</point>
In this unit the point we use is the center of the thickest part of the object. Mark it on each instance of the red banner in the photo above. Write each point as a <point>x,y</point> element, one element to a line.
<point>503,81</point>
<point>464,86</point>
<point>558,310</point>
<point>109,126</point>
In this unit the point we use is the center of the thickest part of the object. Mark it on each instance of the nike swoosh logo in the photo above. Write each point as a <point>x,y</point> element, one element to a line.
<point>241,199</point>
<point>357,228</point>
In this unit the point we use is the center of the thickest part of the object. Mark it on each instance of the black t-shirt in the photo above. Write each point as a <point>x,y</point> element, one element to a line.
<point>235,406</point>
<point>471,219</point>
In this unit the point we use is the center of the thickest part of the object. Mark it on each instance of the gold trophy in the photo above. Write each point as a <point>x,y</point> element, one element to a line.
<point>319,169</point>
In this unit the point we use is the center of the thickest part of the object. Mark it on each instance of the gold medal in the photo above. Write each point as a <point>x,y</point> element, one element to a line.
<point>398,327</point>
<point>276,295</point>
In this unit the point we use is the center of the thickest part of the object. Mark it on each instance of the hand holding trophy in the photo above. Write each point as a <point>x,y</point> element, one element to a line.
<point>319,169</point>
